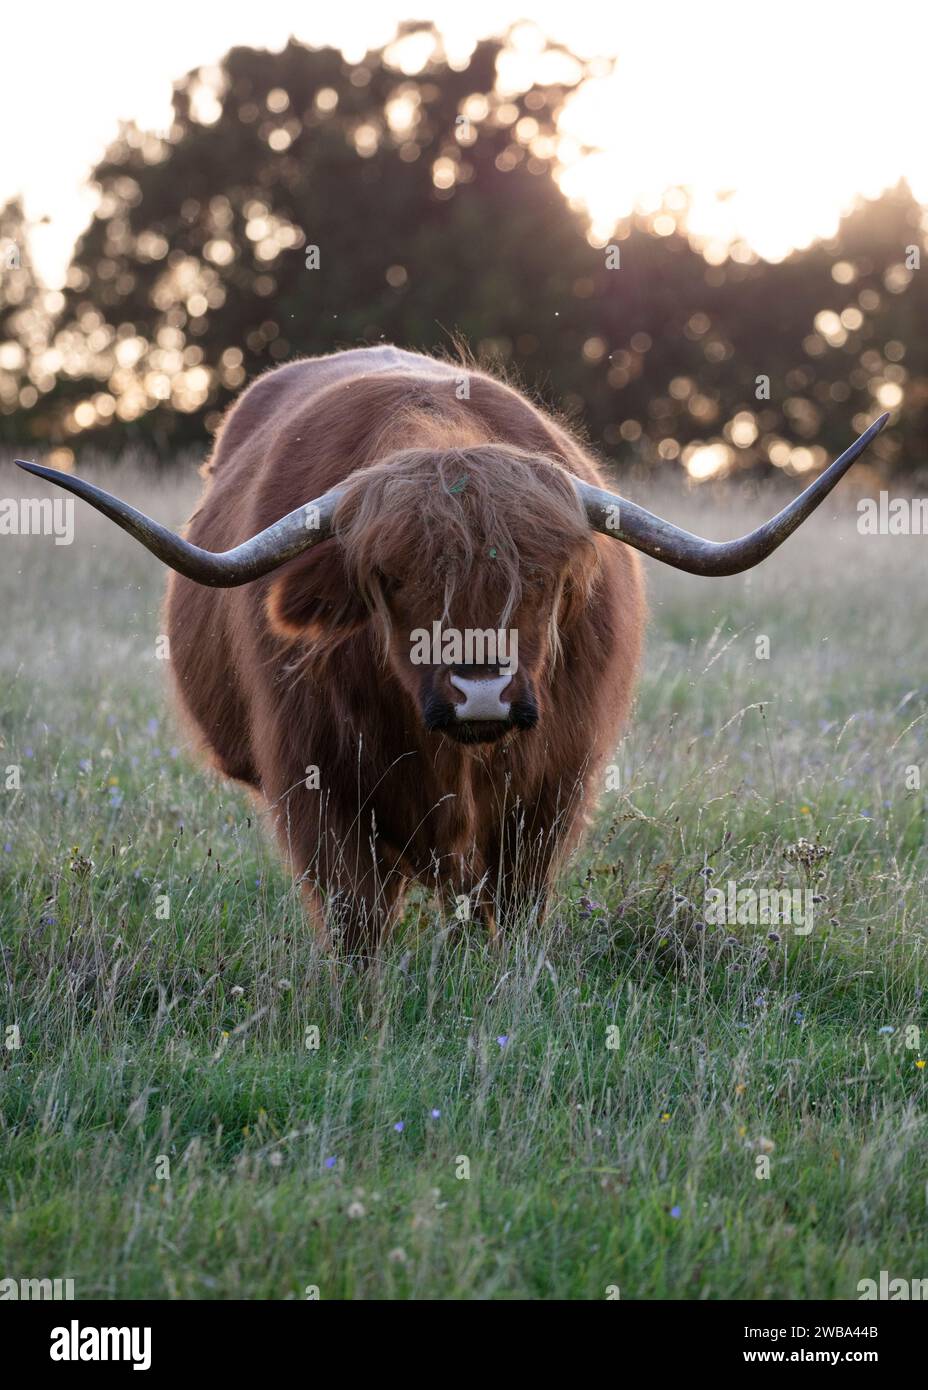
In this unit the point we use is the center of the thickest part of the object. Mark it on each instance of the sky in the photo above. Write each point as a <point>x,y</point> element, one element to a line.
<point>774,118</point>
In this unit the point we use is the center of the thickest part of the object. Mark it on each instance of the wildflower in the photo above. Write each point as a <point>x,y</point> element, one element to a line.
<point>804,852</point>
<point>503,1039</point>
<point>676,1213</point>
<point>436,1114</point>
<point>665,1118</point>
<point>331,1162</point>
<point>888,1029</point>
<point>920,1063</point>
<point>399,1126</point>
<point>355,1211</point>
<point>397,1256</point>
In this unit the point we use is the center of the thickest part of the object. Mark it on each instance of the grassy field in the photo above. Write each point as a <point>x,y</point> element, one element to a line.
<point>166,1131</point>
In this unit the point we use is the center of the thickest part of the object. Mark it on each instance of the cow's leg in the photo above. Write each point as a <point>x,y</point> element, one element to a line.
<point>523,856</point>
<point>353,891</point>
<point>353,882</point>
<point>468,896</point>
<point>507,878</point>
<point>464,881</point>
<point>526,850</point>
<point>362,904</point>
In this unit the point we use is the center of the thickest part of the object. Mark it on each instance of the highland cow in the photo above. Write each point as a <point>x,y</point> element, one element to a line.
<point>362,509</point>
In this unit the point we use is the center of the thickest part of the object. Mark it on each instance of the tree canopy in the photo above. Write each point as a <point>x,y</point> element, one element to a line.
<point>300,203</point>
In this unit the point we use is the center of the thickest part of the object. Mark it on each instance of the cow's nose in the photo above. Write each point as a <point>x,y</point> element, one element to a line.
<point>482,697</point>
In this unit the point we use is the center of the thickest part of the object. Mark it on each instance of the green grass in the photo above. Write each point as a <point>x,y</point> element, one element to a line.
<point>595,1159</point>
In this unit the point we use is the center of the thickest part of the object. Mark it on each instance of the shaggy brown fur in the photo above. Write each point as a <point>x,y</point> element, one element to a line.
<point>455,510</point>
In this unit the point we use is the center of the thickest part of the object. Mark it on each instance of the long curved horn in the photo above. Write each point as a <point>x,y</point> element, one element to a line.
<point>625,521</point>
<point>294,533</point>
<point>606,512</point>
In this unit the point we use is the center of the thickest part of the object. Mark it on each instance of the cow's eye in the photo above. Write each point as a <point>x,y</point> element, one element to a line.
<point>389,583</point>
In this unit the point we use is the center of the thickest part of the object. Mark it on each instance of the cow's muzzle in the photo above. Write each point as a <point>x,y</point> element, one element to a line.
<point>479,705</point>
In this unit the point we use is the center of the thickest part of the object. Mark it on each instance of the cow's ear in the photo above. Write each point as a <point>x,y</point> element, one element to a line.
<point>578,584</point>
<point>310,597</point>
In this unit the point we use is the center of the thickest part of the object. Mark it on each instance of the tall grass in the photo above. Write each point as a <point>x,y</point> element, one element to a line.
<point>585,1105</point>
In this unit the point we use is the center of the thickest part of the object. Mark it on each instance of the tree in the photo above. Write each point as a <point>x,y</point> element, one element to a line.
<point>25,321</point>
<point>300,204</point>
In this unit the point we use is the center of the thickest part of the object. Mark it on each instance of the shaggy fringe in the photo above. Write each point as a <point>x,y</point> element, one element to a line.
<point>490,522</point>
